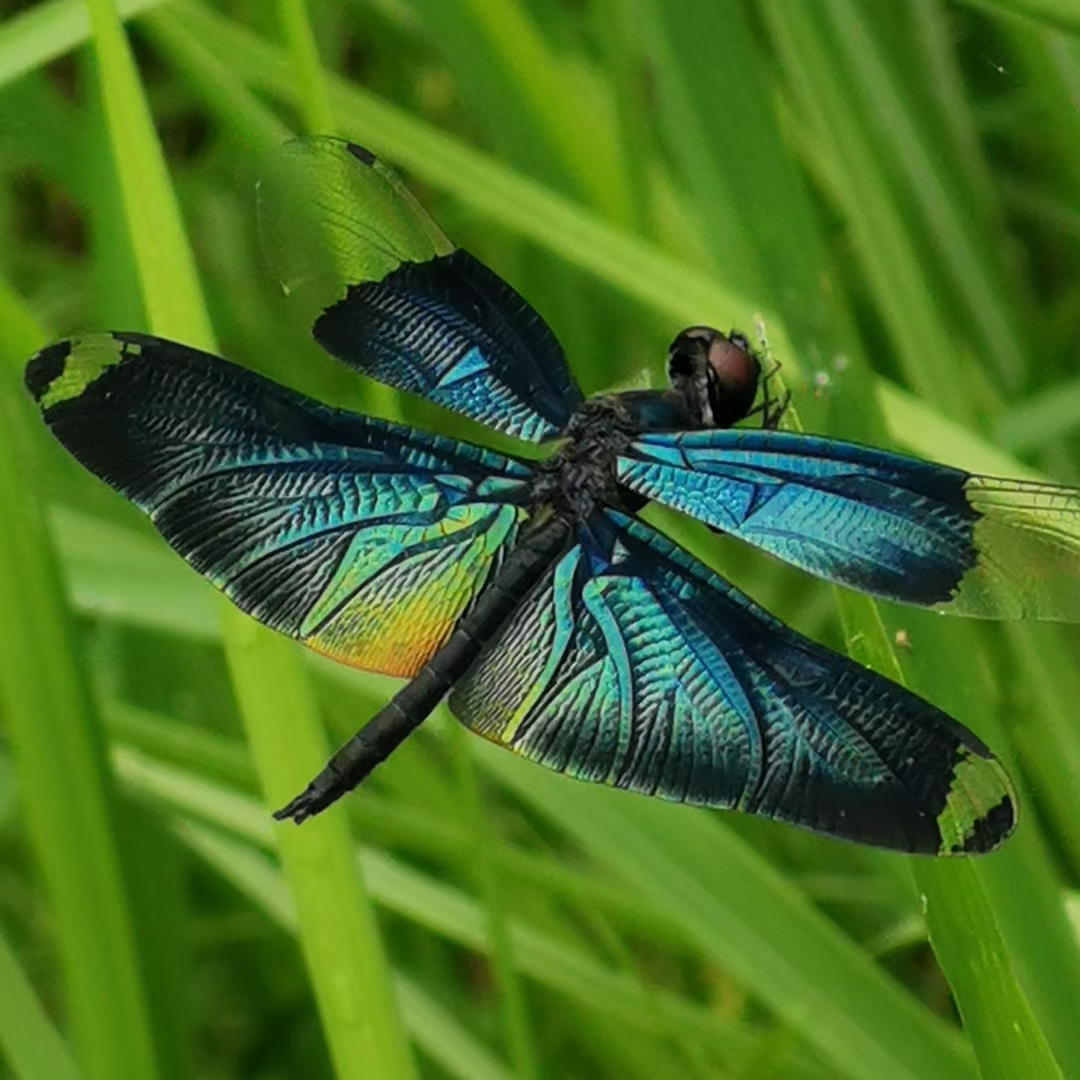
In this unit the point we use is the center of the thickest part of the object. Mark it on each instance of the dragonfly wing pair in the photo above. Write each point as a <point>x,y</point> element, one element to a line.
<point>631,664</point>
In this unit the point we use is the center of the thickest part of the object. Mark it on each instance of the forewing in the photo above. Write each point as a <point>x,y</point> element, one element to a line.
<point>635,666</point>
<point>390,296</point>
<point>889,525</point>
<point>365,540</point>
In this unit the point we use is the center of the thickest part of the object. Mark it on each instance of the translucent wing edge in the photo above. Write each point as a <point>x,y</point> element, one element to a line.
<point>1027,537</point>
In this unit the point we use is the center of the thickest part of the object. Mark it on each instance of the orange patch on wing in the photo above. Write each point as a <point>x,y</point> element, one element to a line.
<point>392,634</point>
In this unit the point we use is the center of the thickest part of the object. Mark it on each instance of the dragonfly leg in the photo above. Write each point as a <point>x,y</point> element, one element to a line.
<point>769,408</point>
<point>773,414</point>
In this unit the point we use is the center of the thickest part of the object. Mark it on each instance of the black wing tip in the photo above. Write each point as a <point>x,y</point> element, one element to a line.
<point>923,836</point>
<point>979,811</point>
<point>990,831</point>
<point>64,371</point>
<point>361,153</point>
<point>45,367</point>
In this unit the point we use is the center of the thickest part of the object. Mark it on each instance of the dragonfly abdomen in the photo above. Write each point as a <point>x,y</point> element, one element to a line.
<point>523,568</point>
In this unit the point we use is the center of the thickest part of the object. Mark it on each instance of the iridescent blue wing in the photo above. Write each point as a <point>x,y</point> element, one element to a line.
<point>392,297</point>
<point>633,665</point>
<point>365,540</point>
<point>889,525</point>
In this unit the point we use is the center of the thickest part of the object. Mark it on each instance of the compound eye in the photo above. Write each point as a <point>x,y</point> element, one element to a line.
<point>735,366</point>
<point>735,372</point>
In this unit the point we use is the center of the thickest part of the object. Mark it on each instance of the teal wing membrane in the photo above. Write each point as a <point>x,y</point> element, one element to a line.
<point>389,295</point>
<point>364,539</point>
<point>889,525</point>
<point>635,666</point>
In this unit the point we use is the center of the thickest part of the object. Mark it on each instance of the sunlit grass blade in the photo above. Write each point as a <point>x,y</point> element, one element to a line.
<point>170,286</point>
<point>300,41</point>
<point>31,1045</point>
<point>340,936</point>
<point>361,1024</point>
<point>48,30</point>
<point>744,915</point>
<point>1040,419</point>
<point>66,788</point>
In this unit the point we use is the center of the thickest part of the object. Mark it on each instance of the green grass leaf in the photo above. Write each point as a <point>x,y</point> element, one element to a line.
<point>51,722</point>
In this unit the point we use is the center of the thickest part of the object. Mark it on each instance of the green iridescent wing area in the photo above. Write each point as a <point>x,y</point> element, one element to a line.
<point>893,526</point>
<point>389,295</point>
<point>364,539</point>
<point>633,665</point>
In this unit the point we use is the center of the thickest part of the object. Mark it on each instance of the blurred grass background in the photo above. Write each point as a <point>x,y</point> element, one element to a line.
<point>892,191</point>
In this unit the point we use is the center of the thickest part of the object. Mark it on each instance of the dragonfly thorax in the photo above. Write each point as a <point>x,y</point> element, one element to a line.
<point>714,379</point>
<point>581,474</point>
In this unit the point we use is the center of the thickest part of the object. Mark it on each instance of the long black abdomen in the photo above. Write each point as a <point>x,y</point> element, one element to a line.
<point>411,705</point>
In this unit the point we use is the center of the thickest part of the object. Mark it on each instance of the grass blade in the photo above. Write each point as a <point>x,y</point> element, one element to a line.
<point>755,924</point>
<point>65,782</point>
<point>360,1017</point>
<point>340,935</point>
<point>31,1045</point>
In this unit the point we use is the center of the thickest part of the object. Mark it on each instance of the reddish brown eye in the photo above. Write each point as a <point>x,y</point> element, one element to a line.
<point>736,372</point>
<point>716,374</point>
<point>735,365</point>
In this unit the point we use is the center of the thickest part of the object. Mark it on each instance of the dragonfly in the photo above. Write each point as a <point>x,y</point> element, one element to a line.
<point>527,589</point>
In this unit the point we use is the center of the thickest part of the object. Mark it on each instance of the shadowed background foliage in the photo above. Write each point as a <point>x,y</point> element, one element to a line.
<point>891,192</point>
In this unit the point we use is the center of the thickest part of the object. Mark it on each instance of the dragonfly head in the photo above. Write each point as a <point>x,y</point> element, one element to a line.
<point>716,375</point>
